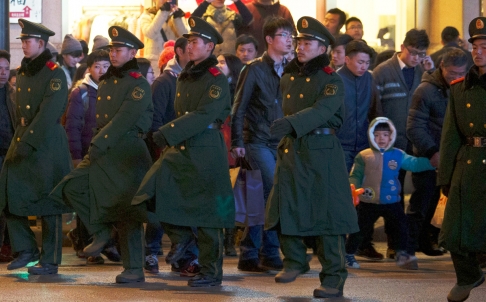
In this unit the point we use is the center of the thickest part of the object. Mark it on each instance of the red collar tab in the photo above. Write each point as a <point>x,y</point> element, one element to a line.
<point>328,70</point>
<point>135,74</point>
<point>214,71</point>
<point>457,80</point>
<point>51,65</point>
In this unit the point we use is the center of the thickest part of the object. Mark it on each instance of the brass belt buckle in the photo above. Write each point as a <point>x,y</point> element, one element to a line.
<point>22,122</point>
<point>477,142</point>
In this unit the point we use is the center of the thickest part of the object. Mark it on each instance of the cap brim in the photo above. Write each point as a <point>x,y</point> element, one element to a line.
<point>470,40</point>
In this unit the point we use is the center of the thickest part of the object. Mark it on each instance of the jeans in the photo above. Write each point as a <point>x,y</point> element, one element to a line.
<point>260,242</point>
<point>153,237</point>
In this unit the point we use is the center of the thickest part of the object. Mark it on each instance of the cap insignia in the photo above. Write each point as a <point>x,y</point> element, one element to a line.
<point>479,24</point>
<point>21,24</point>
<point>192,23</point>
<point>114,32</point>
<point>305,24</point>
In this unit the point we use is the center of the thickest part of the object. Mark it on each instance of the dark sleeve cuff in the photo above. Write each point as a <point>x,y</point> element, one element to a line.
<point>429,153</point>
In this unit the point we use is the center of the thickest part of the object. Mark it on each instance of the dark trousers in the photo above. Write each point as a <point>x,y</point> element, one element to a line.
<point>368,214</point>
<point>330,252</point>
<point>467,268</point>
<point>210,243</point>
<point>76,194</point>
<point>421,208</point>
<point>22,238</point>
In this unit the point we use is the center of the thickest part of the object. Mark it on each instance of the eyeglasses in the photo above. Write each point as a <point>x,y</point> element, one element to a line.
<point>420,54</point>
<point>284,35</point>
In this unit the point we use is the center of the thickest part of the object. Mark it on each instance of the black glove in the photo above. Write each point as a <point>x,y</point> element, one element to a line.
<point>159,139</point>
<point>178,14</point>
<point>95,153</point>
<point>445,190</point>
<point>165,7</point>
<point>22,151</point>
<point>280,128</point>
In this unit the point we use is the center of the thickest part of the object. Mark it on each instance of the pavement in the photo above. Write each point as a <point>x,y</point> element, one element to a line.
<point>375,281</point>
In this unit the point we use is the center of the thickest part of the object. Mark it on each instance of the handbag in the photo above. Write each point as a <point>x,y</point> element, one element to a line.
<point>248,193</point>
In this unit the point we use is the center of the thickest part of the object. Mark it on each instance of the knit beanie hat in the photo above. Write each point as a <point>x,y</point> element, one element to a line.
<point>100,42</point>
<point>70,45</point>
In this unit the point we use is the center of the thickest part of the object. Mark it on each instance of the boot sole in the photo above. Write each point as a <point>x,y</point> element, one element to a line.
<point>129,280</point>
<point>481,281</point>
<point>205,285</point>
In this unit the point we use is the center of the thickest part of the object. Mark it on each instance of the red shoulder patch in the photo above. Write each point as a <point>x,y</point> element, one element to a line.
<point>328,70</point>
<point>214,71</point>
<point>457,80</point>
<point>51,65</point>
<point>135,74</point>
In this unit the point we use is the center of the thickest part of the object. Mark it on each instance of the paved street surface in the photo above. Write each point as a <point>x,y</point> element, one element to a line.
<point>381,281</point>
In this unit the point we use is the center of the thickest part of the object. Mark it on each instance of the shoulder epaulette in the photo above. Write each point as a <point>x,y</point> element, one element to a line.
<point>457,80</point>
<point>328,70</point>
<point>51,65</point>
<point>135,74</point>
<point>214,71</point>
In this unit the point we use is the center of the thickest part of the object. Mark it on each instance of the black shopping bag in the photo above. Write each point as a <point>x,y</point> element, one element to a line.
<point>248,193</point>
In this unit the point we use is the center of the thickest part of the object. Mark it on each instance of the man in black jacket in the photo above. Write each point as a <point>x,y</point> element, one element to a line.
<point>424,128</point>
<point>258,102</point>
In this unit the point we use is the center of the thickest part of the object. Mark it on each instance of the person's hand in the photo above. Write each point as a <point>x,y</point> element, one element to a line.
<point>178,13</point>
<point>160,3</point>
<point>463,43</point>
<point>95,153</point>
<point>22,151</point>
<point>434,160</point>
<point>238,152</point>
<point>445,190</point>
<point>427,63</point>
<point>280,128</point>
<point>159,139</point>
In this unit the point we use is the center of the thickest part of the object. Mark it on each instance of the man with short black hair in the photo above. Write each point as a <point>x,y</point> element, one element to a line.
<point>334,21</point>
<point>338,51</point>
<point>38,156</point>
<point>354,28</point>
<point>451,39</point>
<point>258,103</point>
<point>246,48</point>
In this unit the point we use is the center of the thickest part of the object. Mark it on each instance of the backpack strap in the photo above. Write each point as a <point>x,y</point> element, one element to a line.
<point>83,89</point>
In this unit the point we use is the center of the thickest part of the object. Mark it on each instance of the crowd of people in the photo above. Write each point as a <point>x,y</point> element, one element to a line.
<point>138,147</point>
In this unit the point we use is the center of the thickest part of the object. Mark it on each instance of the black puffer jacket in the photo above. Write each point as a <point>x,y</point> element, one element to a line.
<point>258,102</point>
<point>426,115</point>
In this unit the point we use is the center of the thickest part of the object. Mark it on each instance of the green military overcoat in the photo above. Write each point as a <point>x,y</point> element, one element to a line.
<point>191,178</point>
<point>463,167</point>
<point>123,113</point>
<point>311,194</point>
<point>41,100</point>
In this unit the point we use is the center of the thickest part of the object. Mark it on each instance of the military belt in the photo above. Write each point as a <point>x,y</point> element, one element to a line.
<point>215,126</point>
<point>476,141</point>
<point>323,131</point>
<point>24,122</point>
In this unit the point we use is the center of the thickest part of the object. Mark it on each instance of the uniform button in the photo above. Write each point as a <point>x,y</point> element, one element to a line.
<point>108,98</point>
<point>115,81</point>
<point>286,150</point>
<point>301,96</point>
<point>484,161</point>
<point>106,135</point>
<point>172,125</point>
<point>291,78</point>
<point>468,105</point>
<point>307,80</point>
<point>28,89</point>
<point>178,94</point>
<point>31,131</point>
<point>187,94</point>
<point>18,139</point>
<point>104,82</point>
<point>99,98</point>
<point>106,115</point>
<point>288,96</point>
<point>484,125</point>
<point>471,125</point>
<point>18,89</point>
<point>23,73</point>
<point>97,116</point>
<point>186,112</point>
<point>27,107</point>
<point>469,161</point>
<point>183,148</point>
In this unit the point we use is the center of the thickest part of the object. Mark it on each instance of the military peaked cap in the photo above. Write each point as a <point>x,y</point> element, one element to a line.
<point>311,29</point>
<point>122,37</point>
<point>477,29</point>
<point>34,30</point>
<point>203,29</point>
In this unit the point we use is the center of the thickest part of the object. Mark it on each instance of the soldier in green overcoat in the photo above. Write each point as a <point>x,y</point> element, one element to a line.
<point>38,157</point>
<point>311,194</point>
<point>190,180</point>
<point>462,169</point>
<point>102,186</point>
